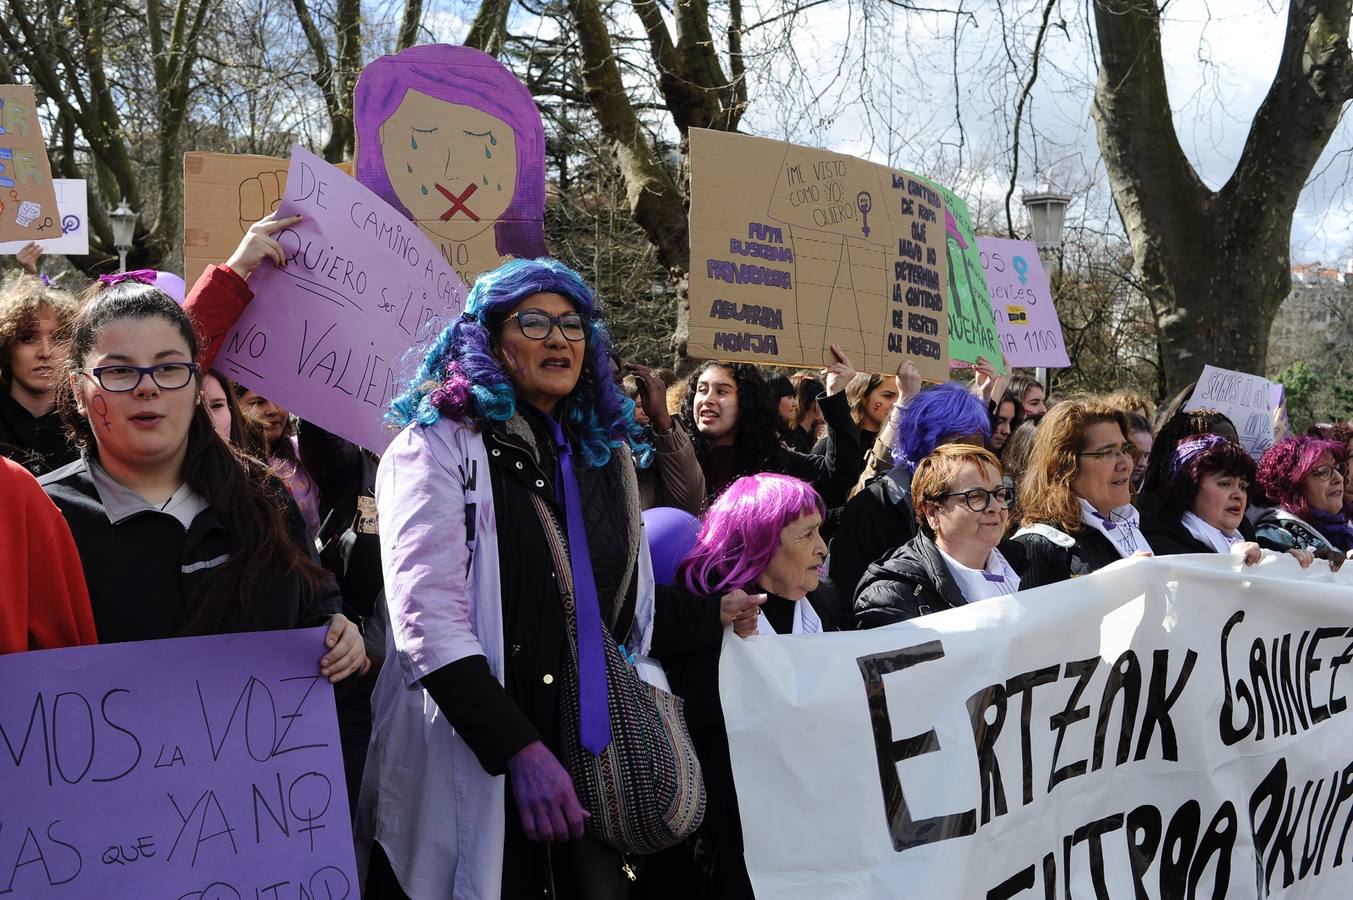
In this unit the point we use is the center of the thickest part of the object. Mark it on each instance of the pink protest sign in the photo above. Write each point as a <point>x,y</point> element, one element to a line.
<point>201,768</point>
<point>334,334</point>
<point>1021,300</point>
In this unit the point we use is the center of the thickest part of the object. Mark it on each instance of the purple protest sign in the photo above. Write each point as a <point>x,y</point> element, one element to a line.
<point>334,334</point>
<point>1021,299</point>
<point>188,769</point>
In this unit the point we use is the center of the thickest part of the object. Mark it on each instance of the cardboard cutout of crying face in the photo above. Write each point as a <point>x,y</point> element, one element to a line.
<point>451,138</point>
<point>454,167</point>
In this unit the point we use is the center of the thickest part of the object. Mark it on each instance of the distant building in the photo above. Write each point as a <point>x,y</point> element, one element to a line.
<point>1315,322</point>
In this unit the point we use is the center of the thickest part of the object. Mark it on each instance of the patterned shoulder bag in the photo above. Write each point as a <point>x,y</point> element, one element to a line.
<point>644,791</point>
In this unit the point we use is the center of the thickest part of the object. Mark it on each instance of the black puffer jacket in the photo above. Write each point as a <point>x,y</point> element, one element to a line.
<point>874,523</point>
<point>1165,532</point>
<point>1277,529</point>
<point>1051,555</point>
<point>914,581</point>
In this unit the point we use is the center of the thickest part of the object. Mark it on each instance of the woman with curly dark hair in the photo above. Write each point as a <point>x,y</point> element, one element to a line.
<point>1202,505</point>
<point>1303,476</point>
<point>733,423</point>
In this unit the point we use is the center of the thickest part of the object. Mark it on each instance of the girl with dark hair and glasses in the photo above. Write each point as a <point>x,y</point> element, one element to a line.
<point>177,533</point>
<point>960,554</point>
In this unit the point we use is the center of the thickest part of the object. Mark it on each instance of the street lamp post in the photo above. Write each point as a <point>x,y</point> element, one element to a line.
<point>123,220</point>
<point>1047,214</point>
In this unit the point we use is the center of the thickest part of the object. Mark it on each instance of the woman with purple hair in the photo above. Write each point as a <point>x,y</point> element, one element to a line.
<point>879,519</point>
<point>511,483</point>
<point>1303,477</point>
<point>759,541</point>
<point>1202,503</point>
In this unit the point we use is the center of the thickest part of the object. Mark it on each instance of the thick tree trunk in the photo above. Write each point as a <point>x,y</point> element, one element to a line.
<point>1215,265</point>
<point>653,195</point>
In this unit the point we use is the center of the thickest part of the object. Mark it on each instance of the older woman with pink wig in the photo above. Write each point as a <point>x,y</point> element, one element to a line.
<point>759,541</point>
<point>1303,476</point>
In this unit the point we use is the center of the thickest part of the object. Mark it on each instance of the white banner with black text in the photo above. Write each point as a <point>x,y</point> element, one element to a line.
<point>1172,727</point>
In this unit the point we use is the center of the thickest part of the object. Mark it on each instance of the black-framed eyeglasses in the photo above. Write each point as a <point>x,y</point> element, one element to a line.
<point>537,324</point>
<point>121,379</point>
<point>1126,451</point>
<point>979,499</point>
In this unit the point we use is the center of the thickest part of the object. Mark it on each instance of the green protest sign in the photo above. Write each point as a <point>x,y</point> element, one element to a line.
<point>972,329</point>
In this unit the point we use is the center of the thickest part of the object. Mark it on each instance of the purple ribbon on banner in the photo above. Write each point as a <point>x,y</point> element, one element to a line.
<point>593,710</point>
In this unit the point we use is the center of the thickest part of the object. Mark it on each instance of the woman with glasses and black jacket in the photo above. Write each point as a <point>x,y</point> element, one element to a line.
<point>1076,492</point>
<point>960,554</point>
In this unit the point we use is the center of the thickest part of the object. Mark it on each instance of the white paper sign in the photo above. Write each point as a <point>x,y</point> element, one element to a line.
<point>68,232</point>
<point>1247,400</point>
<point>1169,727</point>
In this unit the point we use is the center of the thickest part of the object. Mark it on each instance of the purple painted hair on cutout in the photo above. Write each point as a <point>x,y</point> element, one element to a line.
<point>466,77</point>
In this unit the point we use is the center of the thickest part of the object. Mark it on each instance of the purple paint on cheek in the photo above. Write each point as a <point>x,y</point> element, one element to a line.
<point>99,406</point>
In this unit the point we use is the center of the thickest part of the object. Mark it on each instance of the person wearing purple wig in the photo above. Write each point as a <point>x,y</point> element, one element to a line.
<point>879,519</point>
<point>516,453</point>
<point>450,137</point>
<point>1303,477</point>
<point>758,541</point>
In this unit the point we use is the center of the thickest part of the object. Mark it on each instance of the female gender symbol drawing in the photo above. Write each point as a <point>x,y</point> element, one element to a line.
<point>448,136</point>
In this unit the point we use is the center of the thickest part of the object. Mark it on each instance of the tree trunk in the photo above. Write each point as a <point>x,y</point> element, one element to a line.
<point>488,31</point>
<point>1215,265</point>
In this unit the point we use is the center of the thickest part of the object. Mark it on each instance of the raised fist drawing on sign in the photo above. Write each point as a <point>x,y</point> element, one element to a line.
<point>259,196</point>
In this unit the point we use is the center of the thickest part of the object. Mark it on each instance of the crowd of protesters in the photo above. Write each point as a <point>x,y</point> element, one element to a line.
<point>494,581</point>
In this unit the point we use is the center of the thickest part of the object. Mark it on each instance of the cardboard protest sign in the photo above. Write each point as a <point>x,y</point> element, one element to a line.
<point>205,768</point>
<point>1162,728</point>
<point>450,138</point>
<point>794,249</point>
<point>223,194</point>
<point>28,208</point>
<point>1249,401</point>
<point>972,330</point>
<point>70,234</point>
<point>334,334</point>
<point>1021,299</point>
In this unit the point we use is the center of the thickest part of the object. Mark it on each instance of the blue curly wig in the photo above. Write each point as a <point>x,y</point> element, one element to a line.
<point>934,416</point>
<point>461,378</point>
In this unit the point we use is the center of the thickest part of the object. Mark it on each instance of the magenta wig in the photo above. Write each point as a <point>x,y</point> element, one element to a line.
<point>741,532</point>
<point>467,77</point>
<point>1287,463</point>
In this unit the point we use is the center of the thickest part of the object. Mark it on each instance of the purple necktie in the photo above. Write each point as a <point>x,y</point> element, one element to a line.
<point>592,708</point>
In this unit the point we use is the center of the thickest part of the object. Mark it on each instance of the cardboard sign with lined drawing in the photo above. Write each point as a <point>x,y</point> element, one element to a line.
<point>794,249</point>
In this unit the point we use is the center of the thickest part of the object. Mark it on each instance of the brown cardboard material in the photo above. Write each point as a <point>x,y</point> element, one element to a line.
<point>795,248</point>
<point>28,210</point>
<point>223,194</point>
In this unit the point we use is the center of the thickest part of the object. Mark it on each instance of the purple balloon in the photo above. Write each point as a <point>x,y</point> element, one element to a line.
<point>171,284</point>
<point>671,535</point>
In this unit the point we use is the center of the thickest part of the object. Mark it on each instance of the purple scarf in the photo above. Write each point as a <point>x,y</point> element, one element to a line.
<point>1334,527</point>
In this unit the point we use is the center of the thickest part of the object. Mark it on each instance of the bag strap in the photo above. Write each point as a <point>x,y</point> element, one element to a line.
<point>554,540</point>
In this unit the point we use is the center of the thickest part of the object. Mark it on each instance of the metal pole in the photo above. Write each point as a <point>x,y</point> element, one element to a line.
<point>122,259</point>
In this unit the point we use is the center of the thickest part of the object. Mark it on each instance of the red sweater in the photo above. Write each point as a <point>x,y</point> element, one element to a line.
<point>215,304</point>
<point>43,599</point>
